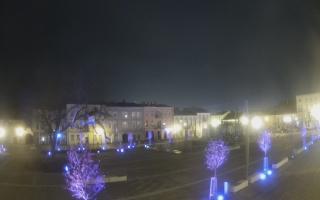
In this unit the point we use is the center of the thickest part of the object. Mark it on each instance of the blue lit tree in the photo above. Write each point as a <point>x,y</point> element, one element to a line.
<point>216,154</point>
<point>303,136</point>
<point>83,176</point>
<point>264,142</point>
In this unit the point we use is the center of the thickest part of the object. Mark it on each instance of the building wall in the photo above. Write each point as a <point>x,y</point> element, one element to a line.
<point>192,126</point>
<point>304,105</point>
<point>157,120</point>
<point>122,121</point>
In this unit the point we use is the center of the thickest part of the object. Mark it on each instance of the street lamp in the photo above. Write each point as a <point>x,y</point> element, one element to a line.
<point>19,131</point>
<point>244,120</point>
<point>256,122</point>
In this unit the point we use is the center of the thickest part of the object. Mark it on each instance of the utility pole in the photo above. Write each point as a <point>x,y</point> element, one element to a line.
<point>247,144</point>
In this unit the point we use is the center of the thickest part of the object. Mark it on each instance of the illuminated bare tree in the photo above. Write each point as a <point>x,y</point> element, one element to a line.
<point>83,176</point>
<point>216,154</point>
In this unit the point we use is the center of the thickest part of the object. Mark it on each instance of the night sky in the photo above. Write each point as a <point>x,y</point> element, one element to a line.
<point>212,54</point>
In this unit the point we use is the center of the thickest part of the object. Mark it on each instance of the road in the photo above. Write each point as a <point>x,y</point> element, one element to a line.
<point>151,174</point>
<point>299,179</point>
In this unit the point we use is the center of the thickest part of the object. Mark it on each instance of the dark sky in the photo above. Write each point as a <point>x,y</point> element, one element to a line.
<point>214,54</point>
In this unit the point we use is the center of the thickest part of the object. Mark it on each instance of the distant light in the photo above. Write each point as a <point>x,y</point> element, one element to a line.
<point>99,130</point>
<point>263,176</point>
<point>121,150</point>
<point>129,147</point>
<point>103,148</point>
<point>269,172</point>
<point>2,132</point>
<point>79,149</point>
<point>59,135</point>
<point>49,153</point>
<point>83,148</point>
<point>66,168</point>
<point>163,124</point>
<point>43,139</point>
<point>244,120</point>
<point>287,119</point>
<point>305,147</point>
<point>59,149</point>
<point>126,116</point>
<point>118,150</point>
<point>220,197</point>
<point>215,123</point>
<point>19,131</point>
<point>256,122</point>
<point>98,151</point>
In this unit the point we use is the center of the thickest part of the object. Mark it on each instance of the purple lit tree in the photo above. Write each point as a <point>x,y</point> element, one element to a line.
<point>83,176</point>
<point>216,154</point>
<point>264,142</point>
<point>303,136</point>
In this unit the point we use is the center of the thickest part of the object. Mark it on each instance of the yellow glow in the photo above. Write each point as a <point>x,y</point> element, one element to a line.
<point>287,119</point>
<point>215,123</point>
<point>177,128</point>
<point>99,130</point>
<point>315,112</point>
<point>2,132</point>
<point>244,120</point>
<point>19,131</point>
<point>184,124</point>
<point>205,126</point>
<point>266,119</point>
<point>256,122</point>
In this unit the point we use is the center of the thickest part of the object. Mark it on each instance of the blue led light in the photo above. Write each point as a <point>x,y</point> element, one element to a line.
<point>220,197</point>
<point>263,176</point>
<point>59,135</point>
<point>269,172</point>
<point>118,150</point>
<point>66,168</point>
<point>305,148</point>
<point>49,153</point>
<point>121,150</point>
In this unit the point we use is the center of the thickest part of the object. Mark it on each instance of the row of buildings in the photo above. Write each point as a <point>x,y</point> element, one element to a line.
<point>101,124</point>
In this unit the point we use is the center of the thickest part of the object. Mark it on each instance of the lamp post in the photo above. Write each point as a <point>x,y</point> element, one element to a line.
<point>256,123</point>
<point>245,122</point>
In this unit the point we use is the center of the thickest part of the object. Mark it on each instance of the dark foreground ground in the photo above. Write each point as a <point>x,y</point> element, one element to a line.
<point>152,174</point>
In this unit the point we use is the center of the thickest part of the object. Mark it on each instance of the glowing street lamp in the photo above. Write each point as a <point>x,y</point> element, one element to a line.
<point>256,122</point>
<point>19,131</point>
<point>2,132</point>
